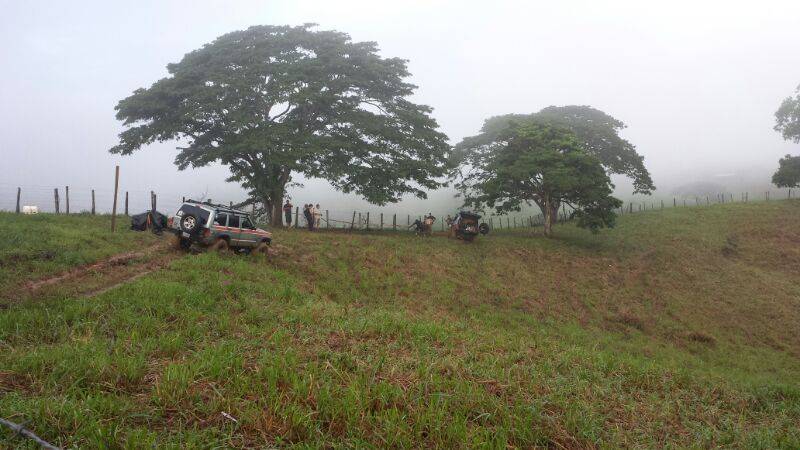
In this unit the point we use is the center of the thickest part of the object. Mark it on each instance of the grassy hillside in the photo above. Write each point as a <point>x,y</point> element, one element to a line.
<point>677,328</point>
<point>39,245</point>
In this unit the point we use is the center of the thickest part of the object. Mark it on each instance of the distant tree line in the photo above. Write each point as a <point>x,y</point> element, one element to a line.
<point>271,102</point>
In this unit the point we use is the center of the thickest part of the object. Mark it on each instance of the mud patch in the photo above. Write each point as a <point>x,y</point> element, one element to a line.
<point>99,277</point>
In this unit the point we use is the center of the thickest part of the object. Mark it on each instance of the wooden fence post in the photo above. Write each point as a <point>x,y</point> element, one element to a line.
<point>491,223</point>
<point>409,220</point>
<point>66,197</point>
<point>367,220</point>
<point>708,202</point>
<point>126,203</point>
<point>19,193</point>
<point>381,221</point>
<point>114,208</point>
<point>93,208</point>
<point>55,197</point>
<point>353,222</point>
<point>296,216</point>
<point>675,202</point>
<point>359,220</point>
<point>630,210</point>
<point>508,222</point>
<point>394,222</point>
<point>327,219</point>
<point>515,221</point>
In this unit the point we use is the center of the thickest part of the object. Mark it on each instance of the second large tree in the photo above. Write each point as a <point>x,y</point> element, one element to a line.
<point>534,162</point>
<point>271,102</point>
<point>596,132</point>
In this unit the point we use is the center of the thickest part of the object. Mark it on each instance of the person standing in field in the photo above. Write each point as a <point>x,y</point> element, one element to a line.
<point>309,217</point>
<point>317,216</point>
<point>287,212</point>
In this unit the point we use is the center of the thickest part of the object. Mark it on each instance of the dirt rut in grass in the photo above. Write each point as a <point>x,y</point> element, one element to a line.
<point>101,276</point>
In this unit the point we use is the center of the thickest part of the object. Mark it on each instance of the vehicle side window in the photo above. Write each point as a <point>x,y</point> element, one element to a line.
<point>246,223</point>
<point>233,221</point>
<point>221,219</point>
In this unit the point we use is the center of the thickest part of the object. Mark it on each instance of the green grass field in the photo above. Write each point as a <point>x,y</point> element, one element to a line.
<point>35,246</point>
<point>678,328</point>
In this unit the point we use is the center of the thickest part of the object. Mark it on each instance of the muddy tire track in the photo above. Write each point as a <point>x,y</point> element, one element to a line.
<point>99,277</point>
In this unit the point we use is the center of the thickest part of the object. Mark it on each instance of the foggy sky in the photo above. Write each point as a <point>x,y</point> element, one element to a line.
<point>697,83</point>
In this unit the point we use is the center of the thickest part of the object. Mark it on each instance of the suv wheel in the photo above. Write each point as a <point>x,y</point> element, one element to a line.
<point>261,249</point>
<point>189,223</point>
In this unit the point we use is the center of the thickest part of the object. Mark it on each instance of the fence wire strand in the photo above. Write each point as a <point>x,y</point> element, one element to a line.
<point>20,430</point>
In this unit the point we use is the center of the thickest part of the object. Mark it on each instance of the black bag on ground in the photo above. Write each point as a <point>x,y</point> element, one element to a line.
<point>139,221</point>
<point>152,219</point>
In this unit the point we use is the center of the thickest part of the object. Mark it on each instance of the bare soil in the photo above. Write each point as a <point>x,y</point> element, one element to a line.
<point>93,279</point>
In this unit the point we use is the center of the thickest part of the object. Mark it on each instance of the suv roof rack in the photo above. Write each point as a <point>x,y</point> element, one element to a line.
<point>215,205</point>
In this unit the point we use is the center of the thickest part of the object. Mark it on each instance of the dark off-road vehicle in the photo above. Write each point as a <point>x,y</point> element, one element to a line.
<point>466,226</point>
<point>217,226</point>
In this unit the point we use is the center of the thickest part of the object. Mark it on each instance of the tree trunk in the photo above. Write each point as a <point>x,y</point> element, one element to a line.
<point>275,211</point>
<point>547,210</point>
<point>554,205</point>
<point>273,204</point>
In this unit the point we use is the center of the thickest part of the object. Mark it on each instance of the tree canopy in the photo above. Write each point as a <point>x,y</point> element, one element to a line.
<point>538,162</point>
<point>787,122</point>
<point>788,174</point>
<point>597,132</point>
<point>273,101</point>
<point>787,118</point>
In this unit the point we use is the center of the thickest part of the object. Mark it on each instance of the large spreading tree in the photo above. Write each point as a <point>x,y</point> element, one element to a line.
<point>271,102</point>
<point>787,122</point>
<point>532,161</point>
<point>596,131</point>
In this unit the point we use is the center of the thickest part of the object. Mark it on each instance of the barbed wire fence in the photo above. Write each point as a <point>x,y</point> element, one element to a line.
<point>88,200</point>
<point>22,431</point>
<point>380,220</point>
